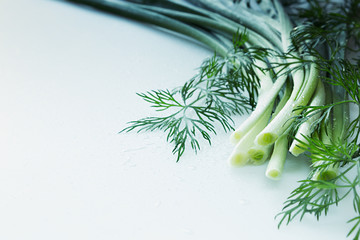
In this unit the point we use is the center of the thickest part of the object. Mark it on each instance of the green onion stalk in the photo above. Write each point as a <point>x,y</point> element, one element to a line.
<point>332,133</point>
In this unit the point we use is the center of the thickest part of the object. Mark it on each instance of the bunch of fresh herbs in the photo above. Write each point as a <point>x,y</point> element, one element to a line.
<point>290,65</point>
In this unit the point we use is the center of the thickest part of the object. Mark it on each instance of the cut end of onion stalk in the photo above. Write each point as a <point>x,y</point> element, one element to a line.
<point>326,175</point>
<point>235,137</point>
<point>273,174</point>
<point>278,157</point>
<point>266,139</point>
<point>256,154</point>
<point>238,159</point>
<point>297,148</point>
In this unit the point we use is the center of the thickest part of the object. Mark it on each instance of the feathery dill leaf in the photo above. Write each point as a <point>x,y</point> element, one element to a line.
<point>221,89</point>
<point>317,196</point>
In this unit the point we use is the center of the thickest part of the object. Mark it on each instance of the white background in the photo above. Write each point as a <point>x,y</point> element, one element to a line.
<point>68,78</point>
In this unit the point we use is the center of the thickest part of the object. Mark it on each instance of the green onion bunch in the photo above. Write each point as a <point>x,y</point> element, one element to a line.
<point>292,66</point>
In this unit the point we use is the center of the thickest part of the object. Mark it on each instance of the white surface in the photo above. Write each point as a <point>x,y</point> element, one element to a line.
<point>68,78</point>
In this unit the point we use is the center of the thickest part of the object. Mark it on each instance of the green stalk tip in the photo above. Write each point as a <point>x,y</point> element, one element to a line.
<point>326,175</point>
<point>235,137</point>
<point>267,139</point>
<point>256,155</point>
<point>297,149</point>
<point>238,159</point>
<point>273,174</point>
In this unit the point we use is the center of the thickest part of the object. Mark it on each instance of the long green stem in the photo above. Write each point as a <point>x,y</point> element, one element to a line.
<point>258,153</point>
<point>245,18</point>
<point>303,82</point>
<point>324,171</point>
<point>219,24</point>
<point>278,157</point>
<point>305,130</point>
<point>333,132</point>
<point>241,155</point>
<point>285,117</point>
<point>133,11</point>
<point>263,100</point>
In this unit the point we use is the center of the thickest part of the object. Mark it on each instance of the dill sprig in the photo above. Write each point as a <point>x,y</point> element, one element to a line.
<point>222,88</point>
<point>315,197</point>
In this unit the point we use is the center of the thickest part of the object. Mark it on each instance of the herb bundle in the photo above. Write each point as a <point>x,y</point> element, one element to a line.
<point>290,65</point>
